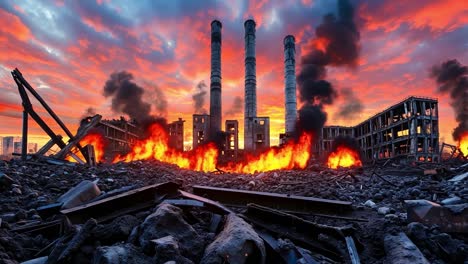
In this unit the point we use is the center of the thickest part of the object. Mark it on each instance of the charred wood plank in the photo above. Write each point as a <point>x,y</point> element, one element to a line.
<point>291,203</point>
<point>121,204</point>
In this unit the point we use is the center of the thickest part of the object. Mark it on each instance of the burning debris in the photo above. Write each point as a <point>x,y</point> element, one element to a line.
<point>345,153</point>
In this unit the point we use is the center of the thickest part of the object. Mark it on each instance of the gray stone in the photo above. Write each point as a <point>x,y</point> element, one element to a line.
<point>452,200</point>
<point>401,250</point>
<point>16,191</point>
<point>383,210</point>
<point>81,193</point>
<point>168,220</point>
<point>370,203</point>
<point>237,243</point>
<point>167,249</point>
<point>120,254</point>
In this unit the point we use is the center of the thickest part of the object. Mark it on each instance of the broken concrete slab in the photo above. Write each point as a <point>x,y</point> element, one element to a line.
<point>168,220</point>
<point>450,218</point>
<point>81,193</point>
<point>118,230</point>
<point>237,243</point>
<point>460,177</point>
<point>401,250</point>
<point>452,200</point>
<point>41,260</point>
<point>120,254</point>
<point>167,249</point>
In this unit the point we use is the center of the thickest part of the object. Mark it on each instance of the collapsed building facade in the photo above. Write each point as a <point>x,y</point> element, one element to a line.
<point>408,129</point>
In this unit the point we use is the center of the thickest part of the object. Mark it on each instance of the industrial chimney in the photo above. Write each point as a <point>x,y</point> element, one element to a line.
<point>290,84</point>
<point>250,110</point>
<point>215,78</point>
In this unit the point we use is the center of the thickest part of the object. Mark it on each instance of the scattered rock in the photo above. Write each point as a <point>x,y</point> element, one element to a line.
<point>168,220</point>
<point>370,203</point>
<point>237,243</point>
<point>120,254</point>
<point>79,194</point>
<point>400,250</point>
<point>167,249</point>
<point>383,210</point>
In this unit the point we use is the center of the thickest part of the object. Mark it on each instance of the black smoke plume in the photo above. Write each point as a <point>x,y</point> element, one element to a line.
<point>352,106</point>
<point>236,107</point>
<point>127,98</point>
<point>199,98</point>
<point>452,78</point>
<point>90,111</point>
<point>341,48</point>
<point>157,97</point>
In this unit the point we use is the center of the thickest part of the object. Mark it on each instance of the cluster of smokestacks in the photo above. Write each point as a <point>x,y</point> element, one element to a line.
<point>452,78</point>
<point>337,44</point>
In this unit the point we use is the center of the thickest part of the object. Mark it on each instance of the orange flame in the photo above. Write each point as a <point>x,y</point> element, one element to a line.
<point>156,147</point>
<point>204,158</point>
<point>97,141</point>
<point>294,155</point>
<point>343,157</point>
<point>463,144</point>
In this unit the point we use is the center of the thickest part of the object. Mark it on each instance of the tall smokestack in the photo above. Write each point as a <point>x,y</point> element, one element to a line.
<point>250,83</point>
<point>215,78</point>
<point>290,84</point>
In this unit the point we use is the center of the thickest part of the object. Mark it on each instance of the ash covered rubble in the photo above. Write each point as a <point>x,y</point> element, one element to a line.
<point>152,212</point>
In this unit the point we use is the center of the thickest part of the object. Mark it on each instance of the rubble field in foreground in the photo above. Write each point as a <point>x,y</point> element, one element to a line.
<point>179,226</point>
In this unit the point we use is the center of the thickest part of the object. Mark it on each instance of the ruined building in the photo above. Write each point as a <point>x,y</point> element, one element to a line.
<point>408,129</point>
<point>232,139</point>
<point>176,134</point>
<point>201,129</point>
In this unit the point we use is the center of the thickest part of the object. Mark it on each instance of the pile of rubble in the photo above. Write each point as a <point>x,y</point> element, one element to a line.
<point>150,212</point>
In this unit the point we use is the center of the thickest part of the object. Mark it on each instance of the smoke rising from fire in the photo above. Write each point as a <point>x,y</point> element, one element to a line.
<point>337,44</point>
<point>452,78</point>
<point>127,98</point>
<point>352,105</point>
<point>199,98</point>
<point>237,106</point>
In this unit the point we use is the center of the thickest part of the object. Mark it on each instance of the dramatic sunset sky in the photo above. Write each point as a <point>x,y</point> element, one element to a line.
<point>68,49</point>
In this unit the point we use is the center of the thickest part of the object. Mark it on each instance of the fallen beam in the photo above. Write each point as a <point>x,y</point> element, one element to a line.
<point>450,218</point>
<point>213,206</point>
<point>120,204</point>
<point>291,203</point>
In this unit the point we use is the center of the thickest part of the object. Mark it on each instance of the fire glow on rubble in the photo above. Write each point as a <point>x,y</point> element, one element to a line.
<point>156,147</point>
<point>293,155</point>
<point>97,141</point>
<point>463,144</point>
<point>343,157</point>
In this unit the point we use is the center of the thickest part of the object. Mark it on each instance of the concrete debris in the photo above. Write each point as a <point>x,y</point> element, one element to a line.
<point>83,192</point>
<point>459,178</point>
<point>401,250</point>
<point>33,226</point>
<point>383,210</point>
<point>450,218</point>
<point>41,260</point>
<point>167,249</point>
<point>237,243</point>
<point>118,230</point>
<point>120,254</point>
<point>370,203</point>
<point>168,220</point>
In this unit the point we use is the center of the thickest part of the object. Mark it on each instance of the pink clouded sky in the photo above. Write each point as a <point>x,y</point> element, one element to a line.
<point>68,49</point>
